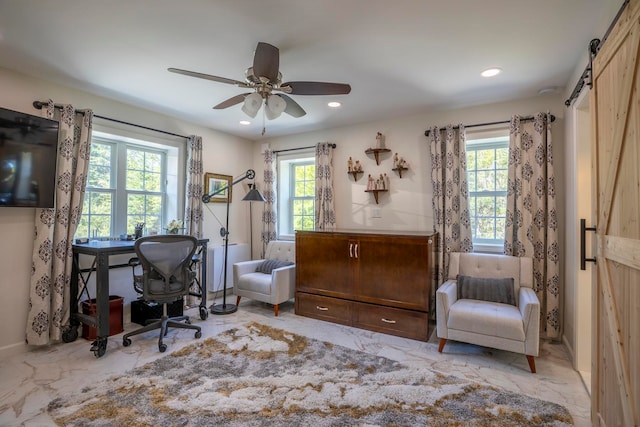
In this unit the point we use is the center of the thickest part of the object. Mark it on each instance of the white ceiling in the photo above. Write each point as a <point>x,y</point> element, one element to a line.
<point>400,57</point>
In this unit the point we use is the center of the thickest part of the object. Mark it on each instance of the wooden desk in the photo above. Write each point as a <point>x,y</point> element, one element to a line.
<point>102,250</point>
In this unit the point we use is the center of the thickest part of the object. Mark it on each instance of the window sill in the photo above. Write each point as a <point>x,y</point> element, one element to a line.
<point>488,248</point>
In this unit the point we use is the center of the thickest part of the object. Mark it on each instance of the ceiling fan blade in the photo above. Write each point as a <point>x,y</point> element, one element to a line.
<point>317,88</point>
<point>231,101</point>
<point>266,62</point>
<point>293,108</point>
<point>208,77</point>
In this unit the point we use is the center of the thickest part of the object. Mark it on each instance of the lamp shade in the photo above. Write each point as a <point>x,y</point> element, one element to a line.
<point>252,104</point>
<point>275,105</point>
<point>254,196</point>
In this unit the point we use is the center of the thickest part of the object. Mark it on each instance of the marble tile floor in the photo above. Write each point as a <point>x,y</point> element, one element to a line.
<point>30,380</point>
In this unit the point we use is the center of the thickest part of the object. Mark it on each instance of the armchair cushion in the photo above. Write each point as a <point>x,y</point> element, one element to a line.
<point>268,265</point>
<point>486,289</point>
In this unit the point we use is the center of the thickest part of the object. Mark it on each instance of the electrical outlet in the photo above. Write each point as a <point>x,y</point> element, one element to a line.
<point>376,213</point>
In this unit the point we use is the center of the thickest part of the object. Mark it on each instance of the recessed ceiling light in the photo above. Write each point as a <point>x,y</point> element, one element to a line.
<point>334,104</point>
<point>245,122</point>
<point>490,72</point>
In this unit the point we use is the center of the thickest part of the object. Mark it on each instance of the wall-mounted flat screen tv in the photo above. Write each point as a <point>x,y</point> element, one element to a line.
<point>28,157</point>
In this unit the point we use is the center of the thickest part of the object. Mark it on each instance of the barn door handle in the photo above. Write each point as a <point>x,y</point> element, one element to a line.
<point>583,231</point>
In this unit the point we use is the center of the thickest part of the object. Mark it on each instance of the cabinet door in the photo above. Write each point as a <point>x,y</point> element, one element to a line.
<point>394,271</point>
<point>323,264</point>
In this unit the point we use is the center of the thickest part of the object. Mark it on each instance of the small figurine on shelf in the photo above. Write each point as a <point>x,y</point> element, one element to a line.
<point>350,165</point>
<point>395,160</point>
<point>371,185</point>
<point>383,184</point>
<point>404,164</point>
<point>386,182</point>
<point>358,166</point>
<point>379,140</point>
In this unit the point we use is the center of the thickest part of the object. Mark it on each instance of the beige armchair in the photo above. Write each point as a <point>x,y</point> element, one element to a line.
<point>488,300</point>
<point>271,280</point>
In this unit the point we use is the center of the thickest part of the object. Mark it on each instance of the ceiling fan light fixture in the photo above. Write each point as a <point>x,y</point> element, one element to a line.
<point>274,106</point>
<point>245,122</point>
<point>252,103</point>
<point>334,104</point>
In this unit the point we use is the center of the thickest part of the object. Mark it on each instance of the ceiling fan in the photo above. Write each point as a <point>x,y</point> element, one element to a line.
<point>264,78</point>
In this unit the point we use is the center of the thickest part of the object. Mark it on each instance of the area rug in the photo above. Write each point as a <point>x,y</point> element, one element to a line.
<point>256,375</point>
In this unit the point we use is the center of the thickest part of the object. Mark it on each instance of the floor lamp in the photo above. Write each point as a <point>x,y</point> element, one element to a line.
<point>254,196</point>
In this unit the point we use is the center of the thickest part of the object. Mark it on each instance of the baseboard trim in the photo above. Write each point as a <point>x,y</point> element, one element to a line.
<point>11,349</point>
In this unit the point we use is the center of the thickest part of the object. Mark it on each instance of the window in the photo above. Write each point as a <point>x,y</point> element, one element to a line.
<point>129,182</point>
<point>487,172</point>
<point>296,194</point>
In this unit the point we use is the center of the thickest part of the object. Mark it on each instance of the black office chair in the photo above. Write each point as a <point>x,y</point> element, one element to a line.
<point>166,277</point>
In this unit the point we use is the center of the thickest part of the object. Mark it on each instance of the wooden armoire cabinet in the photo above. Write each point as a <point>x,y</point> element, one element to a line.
<point>376,281</point>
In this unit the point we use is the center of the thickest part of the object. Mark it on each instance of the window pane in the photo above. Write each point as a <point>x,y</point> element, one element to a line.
<point>485,206</point>
<point>486,228</point>
<point>299,189</point>
<point>486,181</point>
<point>471,181</point>
<point>486,159</point>
<point>153,182</point>
<point>153,162</point>
<point>135,160</point>
<point>135,180</point>
<point>310,172</point>
<point>501,206</point>
<point>502,158</point>
<point>100,204</point>
<point>309,188</point>
<point>308,207</point>
<point>501,180</point>
<point>471,160</point>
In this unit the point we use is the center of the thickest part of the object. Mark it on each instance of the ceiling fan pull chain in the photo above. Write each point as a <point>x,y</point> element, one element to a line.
<point>264,128</point>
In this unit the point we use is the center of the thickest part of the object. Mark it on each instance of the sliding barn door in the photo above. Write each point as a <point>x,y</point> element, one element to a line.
<point>615,108</point>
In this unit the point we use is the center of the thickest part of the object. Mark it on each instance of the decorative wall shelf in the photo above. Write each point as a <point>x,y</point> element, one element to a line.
<point>399,170</point>
<point>376,153</point>
<point>375,193</point>
<point>355,174</point>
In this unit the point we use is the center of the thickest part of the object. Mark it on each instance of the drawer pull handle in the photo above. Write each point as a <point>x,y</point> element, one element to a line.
<point>356,250</point>
<point>388,321</point>
<point>350,250</point>
<point>322,308</point>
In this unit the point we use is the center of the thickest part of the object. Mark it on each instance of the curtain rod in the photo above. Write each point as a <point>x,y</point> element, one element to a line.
<point>39,104</point>
<point>301,148</point>
<point>524,118</point>
<point>594,48</point>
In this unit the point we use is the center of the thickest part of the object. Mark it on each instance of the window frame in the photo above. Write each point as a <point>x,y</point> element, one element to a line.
<point>173,155</point>
<point>285,185</point>
<point>475,142</point>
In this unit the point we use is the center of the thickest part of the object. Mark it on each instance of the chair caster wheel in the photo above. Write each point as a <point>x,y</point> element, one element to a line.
<point>198,334</point>
<point>126,342</point>
<point>162,348</point>
<point>204,313</point>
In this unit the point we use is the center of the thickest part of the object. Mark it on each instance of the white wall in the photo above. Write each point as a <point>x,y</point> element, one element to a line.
<point>407,206</point>
<point>222,153</point>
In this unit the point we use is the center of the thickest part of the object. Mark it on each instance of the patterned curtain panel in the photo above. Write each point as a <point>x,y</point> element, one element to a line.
<point>532,223</point>
<point>450,194</point>
<point>324,203</point>
<point>54,229</point>
<point>193,205</point>
<point>269,193</point>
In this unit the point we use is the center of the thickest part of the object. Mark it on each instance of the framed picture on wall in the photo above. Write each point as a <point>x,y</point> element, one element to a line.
<point>214,182</point>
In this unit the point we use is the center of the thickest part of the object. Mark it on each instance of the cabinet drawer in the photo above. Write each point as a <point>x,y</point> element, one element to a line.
<point>324,308</point>
<point>393,321</point>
